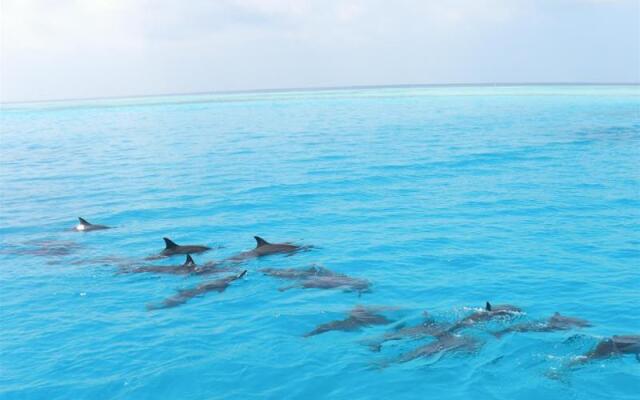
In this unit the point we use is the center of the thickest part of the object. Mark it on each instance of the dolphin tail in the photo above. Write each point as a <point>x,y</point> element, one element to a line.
<point>83,221</point>
<point>169,244</point>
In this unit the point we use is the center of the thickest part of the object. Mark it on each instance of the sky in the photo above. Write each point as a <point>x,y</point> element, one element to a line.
<point>62,49</point>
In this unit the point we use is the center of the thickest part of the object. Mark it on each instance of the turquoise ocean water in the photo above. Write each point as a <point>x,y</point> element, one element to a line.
<point>442,197</point>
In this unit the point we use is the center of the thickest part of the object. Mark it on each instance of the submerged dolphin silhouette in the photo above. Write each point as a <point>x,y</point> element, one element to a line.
<point>44,248</point>
<point>331,282</point>
<point>358,317</point>
<point>556,322</point>
<point>189,267</point>
<point>443,343</point>
<point>171,249</point>
<point>185,295</point>
<point>428,327</point>
<point>264,248</point>
<point>297,273</point>
<point>86,226</point>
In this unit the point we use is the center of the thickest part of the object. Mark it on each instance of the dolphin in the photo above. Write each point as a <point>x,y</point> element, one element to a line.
<point>185,295</point>
<point>490,312</point>
<point>556,322</point>
<point>189,267</point>
<point>332,282</point>
<point>86,226</point>
<point>358,317</point>
<point>612,347</point>
<point>443,343</point>
<point>297,273</point>
<point>171,249</point>
<point>44,248</point>
<point>427,328</point>
<point>264,248</point>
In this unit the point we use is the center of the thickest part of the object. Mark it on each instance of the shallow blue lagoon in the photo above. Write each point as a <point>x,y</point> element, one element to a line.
<point>441,197</point>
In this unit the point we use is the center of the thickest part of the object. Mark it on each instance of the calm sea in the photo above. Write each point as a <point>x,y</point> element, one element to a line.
<point>441,197</point>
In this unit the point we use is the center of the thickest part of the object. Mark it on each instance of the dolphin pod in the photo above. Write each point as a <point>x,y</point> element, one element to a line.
<point>446,336</point>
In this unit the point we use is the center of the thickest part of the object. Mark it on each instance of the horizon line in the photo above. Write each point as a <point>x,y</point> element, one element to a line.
<point>319,88</point>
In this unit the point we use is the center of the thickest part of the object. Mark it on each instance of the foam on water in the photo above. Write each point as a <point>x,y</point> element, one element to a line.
<point>441,197</point>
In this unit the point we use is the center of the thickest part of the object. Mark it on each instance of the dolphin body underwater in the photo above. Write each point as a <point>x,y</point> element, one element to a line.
<point>184,295</point>
<point>336,281</point>
<point>317,277</point>
<point>614,346</point>
<point>86,226</point>
<point>425,329</point>
<point>358,317</point>
<point>443,344</point>
<point>297,273</point>
<point>555,323</point>
<point>189,267</point>
<point>264,248</point>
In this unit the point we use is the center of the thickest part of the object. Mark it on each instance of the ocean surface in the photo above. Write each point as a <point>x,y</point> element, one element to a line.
<point>442,198</point>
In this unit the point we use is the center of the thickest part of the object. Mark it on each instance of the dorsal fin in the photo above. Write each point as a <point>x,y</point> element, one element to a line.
<point>169,244</point>
<point>243,273</point>
<point>487,306</point>
<point>260,241</point>
<point>189,261</point>
<point>83,221</point>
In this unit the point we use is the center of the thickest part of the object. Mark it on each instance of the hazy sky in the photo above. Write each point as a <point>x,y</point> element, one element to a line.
<point>52,49</point>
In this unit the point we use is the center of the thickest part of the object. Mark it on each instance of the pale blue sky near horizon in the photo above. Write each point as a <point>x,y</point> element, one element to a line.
<point>62,49</point>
